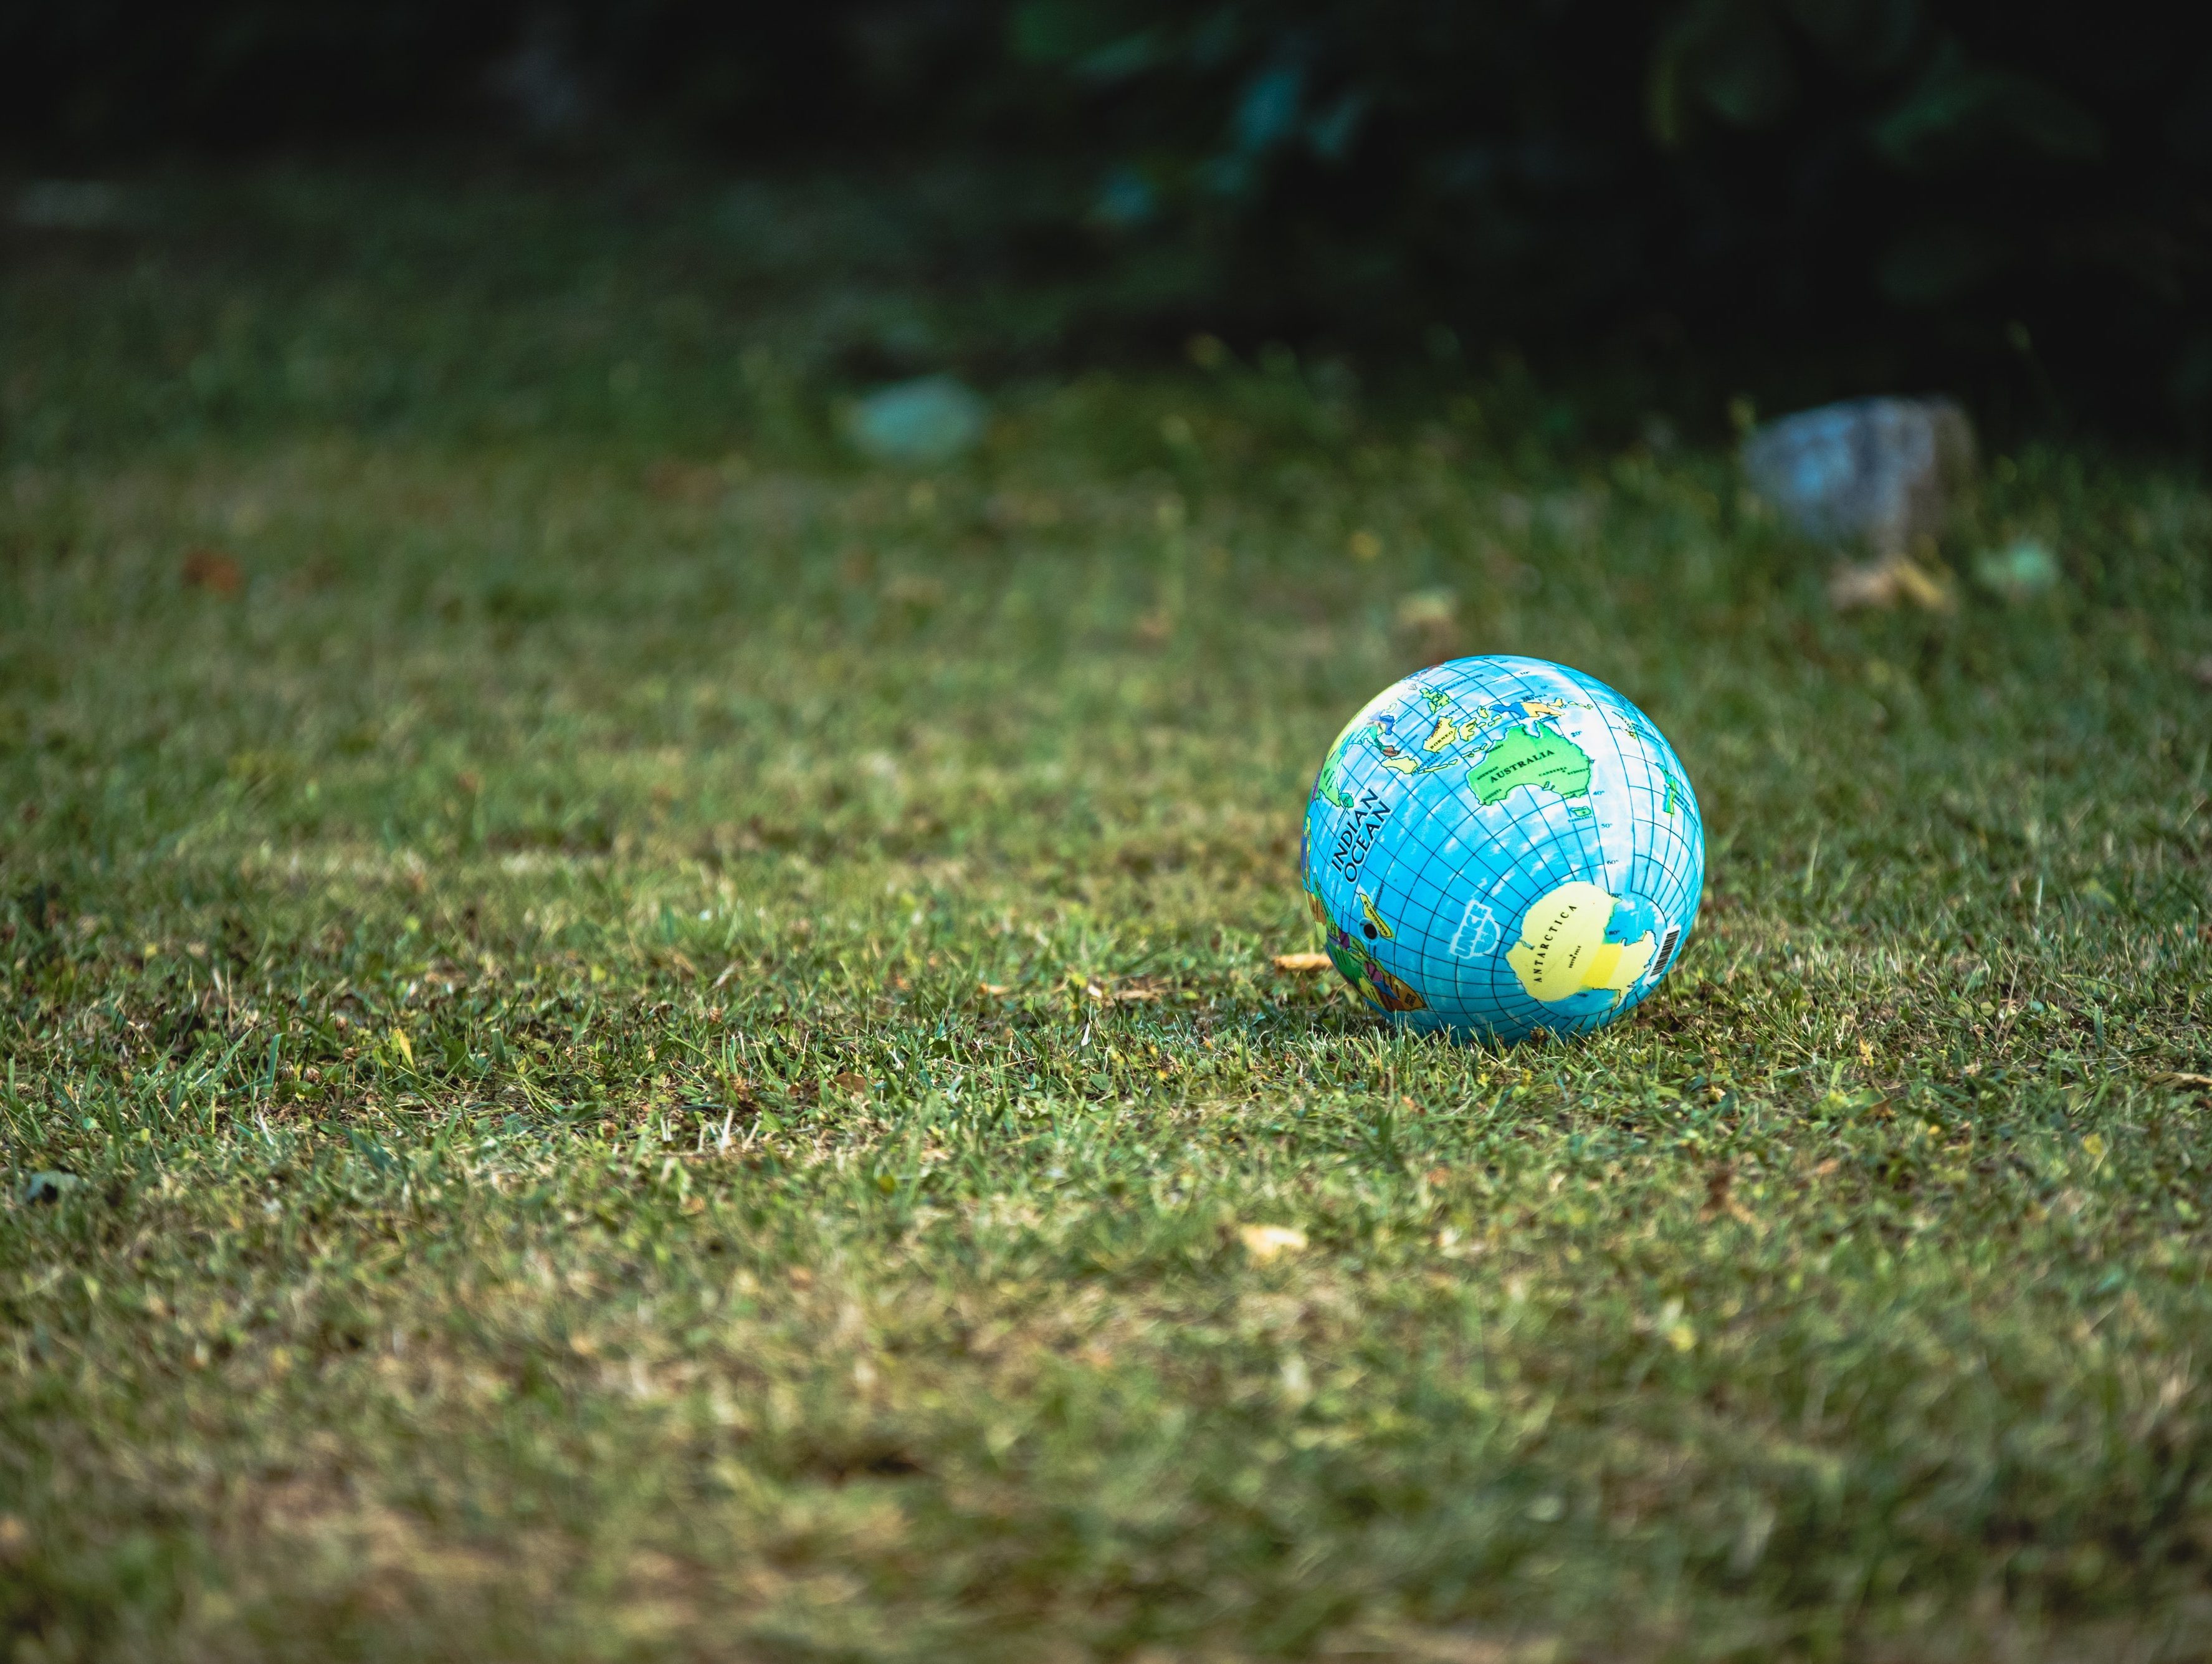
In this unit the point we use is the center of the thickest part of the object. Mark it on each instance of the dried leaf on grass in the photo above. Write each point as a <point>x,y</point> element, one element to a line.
<point>1416,1646</point>
<point>212,570</point>
<point>1719,1196</point>
<point>1427,609</point>
<point>1129,993</point>
<point>1302,962</point>
<point>1883,584</point>
<point>1267,1242</point>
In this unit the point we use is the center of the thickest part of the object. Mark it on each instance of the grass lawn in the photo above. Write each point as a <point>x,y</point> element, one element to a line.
<point>627,1038</point>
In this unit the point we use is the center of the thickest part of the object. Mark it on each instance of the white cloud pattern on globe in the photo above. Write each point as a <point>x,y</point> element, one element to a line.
<point>1503,847</point>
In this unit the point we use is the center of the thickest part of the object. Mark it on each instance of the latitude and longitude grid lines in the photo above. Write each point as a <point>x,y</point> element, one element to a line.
<point>1414,891</point>
<point>1457,859</point>
<point>1426,858</point>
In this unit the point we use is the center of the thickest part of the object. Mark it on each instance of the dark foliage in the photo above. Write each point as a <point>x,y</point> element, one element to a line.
<point>2013,197</point>
<point>1810,195</point>
<point>107,78</point>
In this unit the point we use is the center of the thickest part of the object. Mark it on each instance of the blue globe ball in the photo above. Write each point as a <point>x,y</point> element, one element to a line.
<point>1503,847</point>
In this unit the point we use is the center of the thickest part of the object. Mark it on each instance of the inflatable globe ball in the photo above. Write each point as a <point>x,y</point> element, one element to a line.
<point>1501,848</point>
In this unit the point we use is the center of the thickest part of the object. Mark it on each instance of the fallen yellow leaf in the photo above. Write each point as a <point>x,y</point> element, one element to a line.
<point>1302,961</point>
<point>1267,1242</point>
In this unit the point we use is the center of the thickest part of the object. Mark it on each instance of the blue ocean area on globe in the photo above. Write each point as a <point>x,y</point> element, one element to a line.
<point>1501,848</point>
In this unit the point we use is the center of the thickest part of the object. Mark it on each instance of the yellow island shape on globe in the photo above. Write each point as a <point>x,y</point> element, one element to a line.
<point>1563,951</point>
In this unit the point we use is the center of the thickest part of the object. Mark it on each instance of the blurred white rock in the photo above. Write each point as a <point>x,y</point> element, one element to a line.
<point>930,420</point>
<point>1878,475</point>
<point>1881,472</point>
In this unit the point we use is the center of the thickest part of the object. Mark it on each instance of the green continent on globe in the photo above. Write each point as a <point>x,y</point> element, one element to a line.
<point>1531,755</point>
<point>1329,786</point>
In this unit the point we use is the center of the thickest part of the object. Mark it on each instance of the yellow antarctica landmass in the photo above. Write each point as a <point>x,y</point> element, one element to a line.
<point>1563,951</point>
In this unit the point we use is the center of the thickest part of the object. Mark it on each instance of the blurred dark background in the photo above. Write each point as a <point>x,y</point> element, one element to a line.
<point>1804,198</point>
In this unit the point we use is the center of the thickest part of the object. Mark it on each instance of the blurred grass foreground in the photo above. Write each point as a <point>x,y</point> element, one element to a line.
<point>626,1036</point>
